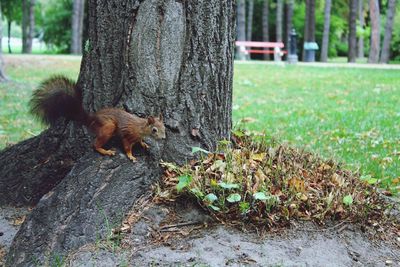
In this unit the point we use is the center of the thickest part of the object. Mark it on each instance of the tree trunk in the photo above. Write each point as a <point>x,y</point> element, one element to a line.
<point>28,25</point>
<point>352,32</point>
<point>241,27</point>
<point>309,29</point>
<point>325,35</point>
<point>2,75</point>
<point>361,19</point>
<point>250,20</point>
<point>375,31</point>
<point>78,12</point>
<point>165,56</point>
<point>9,35</point>
<point>24,25</point>
<point>311,22</point>
<point>265,24</point>
<point>391,11</point>
<point>289,21</point>
<point>279,20</point>
<point>306,27</point>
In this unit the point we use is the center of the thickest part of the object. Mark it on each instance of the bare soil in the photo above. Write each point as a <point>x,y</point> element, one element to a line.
<point>183,235</point>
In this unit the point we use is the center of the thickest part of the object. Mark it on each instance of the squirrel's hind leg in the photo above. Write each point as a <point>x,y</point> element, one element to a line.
<point>104,134</point>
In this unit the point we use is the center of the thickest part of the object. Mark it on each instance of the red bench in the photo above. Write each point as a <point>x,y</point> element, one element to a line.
<point>247,47</point>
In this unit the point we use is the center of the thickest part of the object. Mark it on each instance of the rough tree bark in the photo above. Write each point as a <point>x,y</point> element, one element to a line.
<point>361,19</point>
<point>78,11</point>
<point>352,54</point>
<point>241,26</point>
<point>375,31</point>
<point>279,20</point>
<point>265,24</point>
<point>28,25</point>
<point>250,13</point>
<point>325,35</point>
<point>165,56</point>
<point>391,11</point>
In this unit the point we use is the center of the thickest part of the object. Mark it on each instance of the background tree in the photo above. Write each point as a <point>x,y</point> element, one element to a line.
<point>289,20</point>
<point>279,20</point>
<point>57,25</point>
<point>390,13</point>
<point>325,37</point>
<point>2,74</point>
<point>28,25</point>
<point>361,19</point>
<point>165,56</point>
<point>265,24</point>
<point>375,31</point>
<point>309,27</point>
<point>12,13</point>
<point>241,25</point>
<point>352,32</point>
<point>250,19</point>
<point>78,12</point>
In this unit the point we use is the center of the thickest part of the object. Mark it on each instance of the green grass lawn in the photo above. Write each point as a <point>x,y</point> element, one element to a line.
<point>351,115</point>
<point>25,73</point>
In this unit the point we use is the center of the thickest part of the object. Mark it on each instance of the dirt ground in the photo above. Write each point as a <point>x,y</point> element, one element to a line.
<point>162,237</point>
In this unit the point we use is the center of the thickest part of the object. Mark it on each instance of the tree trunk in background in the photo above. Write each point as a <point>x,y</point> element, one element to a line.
<point>309,28</point>
<point>265,25</point>
<point>78,12</point>
<point>361,19</point>
<point>28,25</point>
<point>241,26</point>
<point>165,56</point>
<point>24,25</point>
<point>325,36</point>
<point>279,20</point>
<point>352,54</point>
<point>250,20</point>
<point>375,31</point>
<point>9,35</point>
<point>2,75</point>
<point>289,21</point>
<point>306,28</point>
<point>311,22</point>
<point>391,11</point>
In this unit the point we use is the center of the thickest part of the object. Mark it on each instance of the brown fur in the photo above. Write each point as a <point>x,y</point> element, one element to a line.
<point>58,97</point>
<point>132,129</point>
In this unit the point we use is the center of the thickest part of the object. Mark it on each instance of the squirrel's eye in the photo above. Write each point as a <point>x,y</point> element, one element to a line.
<point>154,130</point>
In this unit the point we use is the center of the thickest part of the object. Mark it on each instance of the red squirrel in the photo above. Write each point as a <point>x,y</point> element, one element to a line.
<point>59,96</point>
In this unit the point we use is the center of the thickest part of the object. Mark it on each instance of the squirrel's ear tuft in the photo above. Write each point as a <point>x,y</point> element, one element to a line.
<point>160,117</point>
<point>151,120</point>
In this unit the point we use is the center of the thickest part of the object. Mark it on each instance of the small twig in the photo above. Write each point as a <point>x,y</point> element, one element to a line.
<point>179,225</point>
<point>329,228</point>
<point>341,229</point>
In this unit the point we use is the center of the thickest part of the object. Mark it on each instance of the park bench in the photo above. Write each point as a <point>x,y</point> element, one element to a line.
<point>248,47</point>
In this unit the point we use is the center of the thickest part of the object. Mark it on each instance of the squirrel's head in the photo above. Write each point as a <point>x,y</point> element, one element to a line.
<point>156,126</point>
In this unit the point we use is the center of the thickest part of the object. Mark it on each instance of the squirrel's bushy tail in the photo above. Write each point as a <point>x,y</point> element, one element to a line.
<point>58,97</point>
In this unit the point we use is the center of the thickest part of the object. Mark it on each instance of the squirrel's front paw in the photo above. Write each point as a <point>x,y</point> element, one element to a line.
<point>144,145</point>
